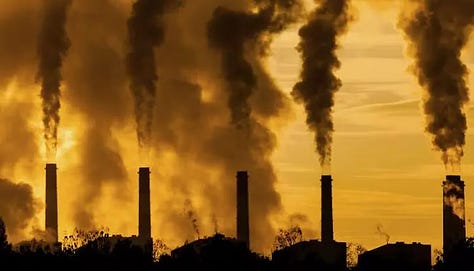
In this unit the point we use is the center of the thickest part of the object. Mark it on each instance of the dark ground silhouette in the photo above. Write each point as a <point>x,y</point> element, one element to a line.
<point>96,250</point>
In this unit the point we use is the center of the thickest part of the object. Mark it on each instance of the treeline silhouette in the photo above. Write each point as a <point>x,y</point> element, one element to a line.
<point>93,250</point>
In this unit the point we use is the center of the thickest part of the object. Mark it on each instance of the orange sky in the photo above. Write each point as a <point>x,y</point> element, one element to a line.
<point>384,169</point>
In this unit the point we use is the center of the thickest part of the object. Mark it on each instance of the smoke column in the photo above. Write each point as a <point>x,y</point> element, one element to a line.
<point>229,31</point>
<point>53,44</point>
<point>146,32</point>
<point>318,82</point>
<point>101,100</point>
<point>437,32</point>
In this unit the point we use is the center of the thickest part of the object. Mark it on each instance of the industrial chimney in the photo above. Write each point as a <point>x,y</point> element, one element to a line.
<point>243,207</point>
<point>454,231</point>
<point>144,222</point>
<point>51,202</point>
<point>327,234</point>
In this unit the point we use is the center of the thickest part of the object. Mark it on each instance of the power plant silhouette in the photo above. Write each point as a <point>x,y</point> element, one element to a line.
<point>325,252</point>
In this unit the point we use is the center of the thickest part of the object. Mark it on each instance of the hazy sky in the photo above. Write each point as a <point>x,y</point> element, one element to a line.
<point>384,169</point>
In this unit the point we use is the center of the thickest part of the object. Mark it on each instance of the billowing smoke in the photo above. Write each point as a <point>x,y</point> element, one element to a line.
<point>18,206</point>
<point>318,83</point>
<point>146,33</point>
<point>191,131</point>
<point>101,98</point>
<point>437,32</point>
<point>18,33</point>
<point>53,44</point>
<point>241,37</point>
<point>230,32</point>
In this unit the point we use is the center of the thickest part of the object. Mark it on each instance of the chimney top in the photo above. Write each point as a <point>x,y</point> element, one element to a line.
<point>326,177</point>
<point>144,170</point>
<point>241,174</point>
<point>50,165</point>
<point>454,179</point>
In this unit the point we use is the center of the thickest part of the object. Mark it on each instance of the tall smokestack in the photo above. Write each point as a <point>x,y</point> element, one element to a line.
<point>144,223</point>
<point>243,207</point>
<point>454,231</point>
<point>327,233</point>
<point>51,202</point>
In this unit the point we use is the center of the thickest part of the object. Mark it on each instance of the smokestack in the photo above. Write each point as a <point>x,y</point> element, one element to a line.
<point>243,207</point>
<point>144,223</point>
<point>327,233</point>
<point>454,231</point>
<point>51,202</point>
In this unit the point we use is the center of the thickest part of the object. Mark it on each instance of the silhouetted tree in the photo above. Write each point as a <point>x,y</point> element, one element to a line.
<point>4,245</point>
<point>460,258</point>
<point>288,237</point>
<point>80,238</point>
<point>353,252</point>
<point>159,249</point>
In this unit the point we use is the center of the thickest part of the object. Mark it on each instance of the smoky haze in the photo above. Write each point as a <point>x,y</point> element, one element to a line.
<point>53,44</point>
<point>241,37</point>
<point>437,32</point>
<point>101,99</point>
<point>18,206</point>
<point>146,33</point>
<point>318,83</point>
<point>198,150</point>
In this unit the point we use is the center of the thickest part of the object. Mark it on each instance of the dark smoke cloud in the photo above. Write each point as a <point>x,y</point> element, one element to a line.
<point>100,97</point>
<point>230,32</point>
<point>53,44</point>
<point>18,206</point>
<point>437,32</point>
<point>146,32</point>
<point>192,119</point>
<point>318,82</point>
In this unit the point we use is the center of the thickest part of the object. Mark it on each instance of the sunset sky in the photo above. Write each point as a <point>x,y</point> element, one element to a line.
<point>385,170</point>
<point>384,167</point>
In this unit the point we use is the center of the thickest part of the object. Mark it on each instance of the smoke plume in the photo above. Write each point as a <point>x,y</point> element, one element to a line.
<point>242,37</point>
<point>318,83</point>
<point>146,32</point>
<point>18,206</point>
<point>53,44</point>
<point>191,118</point>
<point>437,32</point>
<point>230,32</point>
